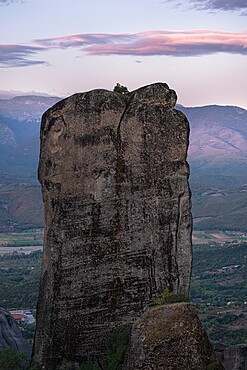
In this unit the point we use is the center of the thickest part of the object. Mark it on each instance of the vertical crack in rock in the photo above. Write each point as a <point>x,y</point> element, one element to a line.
<point>114,177</point>
<point>120,164</point>
<point>177,236</point>
<point>120,170</point>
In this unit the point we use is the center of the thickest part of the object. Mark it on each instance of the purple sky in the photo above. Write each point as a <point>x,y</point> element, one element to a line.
<point>61,47</point>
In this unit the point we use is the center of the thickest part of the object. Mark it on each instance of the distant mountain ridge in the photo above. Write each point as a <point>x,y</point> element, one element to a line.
<point>9,94</point>
<point>218,141</point>
<point>28,107</point>
<point>217,157</point>
<point>19,130</point>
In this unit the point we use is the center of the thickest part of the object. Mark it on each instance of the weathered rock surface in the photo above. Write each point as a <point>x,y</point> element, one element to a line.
<point>170,337</point>
<point>114,179</point>
<point>232,357</point>
<point>10,334</point>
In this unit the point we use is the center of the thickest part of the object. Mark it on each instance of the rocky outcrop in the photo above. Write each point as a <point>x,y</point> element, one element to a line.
<point>170,337</point>
<point>232,357</point>
<point>114,179</point>
<point>10,334</point>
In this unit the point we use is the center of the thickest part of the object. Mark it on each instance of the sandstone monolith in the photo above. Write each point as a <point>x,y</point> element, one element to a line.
<point>114,180</point>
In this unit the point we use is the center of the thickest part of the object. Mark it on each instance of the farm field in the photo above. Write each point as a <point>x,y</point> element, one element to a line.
<point>211,236</point>
<point>35,237</point>
<point>21,242</point>
<point>22,238</point>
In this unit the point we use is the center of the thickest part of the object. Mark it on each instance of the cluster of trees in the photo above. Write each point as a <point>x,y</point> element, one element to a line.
<point>212,288</point>
<point>214,285</point>
<point>227,336</point>
<point>19,279</point>
<point>12,360</point>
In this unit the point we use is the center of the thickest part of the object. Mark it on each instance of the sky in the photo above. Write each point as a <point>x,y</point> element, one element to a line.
<point>60,47</point>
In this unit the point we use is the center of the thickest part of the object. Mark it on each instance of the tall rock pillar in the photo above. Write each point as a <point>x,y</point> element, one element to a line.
<point>114,179</point>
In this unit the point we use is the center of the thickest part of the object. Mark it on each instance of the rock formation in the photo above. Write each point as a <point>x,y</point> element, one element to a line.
<point>232,357</point>
<point>170,337</point>
<point>114,180</point>
<point>10,335</point>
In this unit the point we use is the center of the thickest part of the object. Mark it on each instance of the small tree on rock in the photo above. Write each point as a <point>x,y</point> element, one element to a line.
<point>120,89</point>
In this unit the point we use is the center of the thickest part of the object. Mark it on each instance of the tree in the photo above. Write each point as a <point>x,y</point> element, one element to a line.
<point>120,89</point>
<point>12,360</point>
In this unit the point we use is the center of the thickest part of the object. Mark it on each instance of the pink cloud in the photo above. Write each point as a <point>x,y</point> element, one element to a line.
<point>174,43</point>
<point>147,43</point>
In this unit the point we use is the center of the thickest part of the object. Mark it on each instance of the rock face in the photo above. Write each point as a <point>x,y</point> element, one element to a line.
<point>10,335</point>
<point>114,179</point>
<point>232,357</point>
<point>170,337</point>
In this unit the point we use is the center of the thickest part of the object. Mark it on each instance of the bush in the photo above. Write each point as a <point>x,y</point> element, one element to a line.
<point>89,365</point>
<point>120,89</point>
<point>168,297</point>
<point>116,344</point>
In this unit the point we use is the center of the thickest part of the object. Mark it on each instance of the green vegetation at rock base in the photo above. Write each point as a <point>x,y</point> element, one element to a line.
<point>12,360</point>
<point>167,297</point>
<point>115,346</point>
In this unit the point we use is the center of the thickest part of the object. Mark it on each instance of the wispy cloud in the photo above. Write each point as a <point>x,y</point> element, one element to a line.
<point>174,43</point>
<point>148,43</point>
<point>12,55</point>
<point>8,2</point>
<point>215,5</point>
<point>85,39</point>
